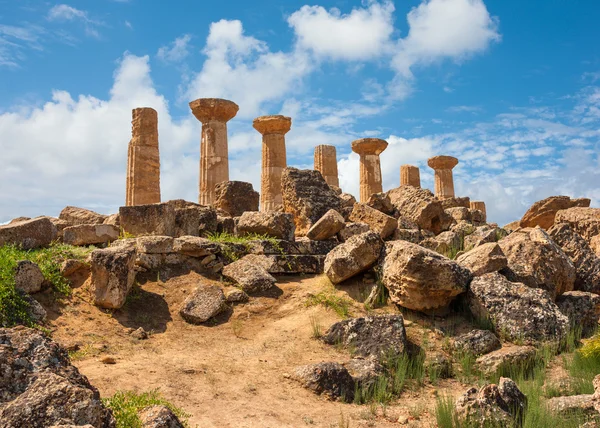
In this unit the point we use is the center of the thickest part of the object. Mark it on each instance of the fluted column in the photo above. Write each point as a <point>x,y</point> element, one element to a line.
<point>410,176</point>
<point>274,159</point>
<point>326,164</point>
<point>479,205</point>
<point>444,182</point>
<point>214,113</point>
<point>369,150</point>
<point>143,159</point>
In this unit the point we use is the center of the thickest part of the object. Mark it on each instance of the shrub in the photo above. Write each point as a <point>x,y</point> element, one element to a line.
<point>126,405</point>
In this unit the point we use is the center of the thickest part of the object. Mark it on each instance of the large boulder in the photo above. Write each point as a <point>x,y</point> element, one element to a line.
<point>493,405</point>
<point>329,379</point>
<point>327,226</point>
<point>29,234</point>
<point>381,202</point>
<point>456,202</point>
<point>582,309</point>
<point>542,213</point>
<point>356,255</point>
<point>377,221</point>
<point>420,206</point>
<point>484,259</point>
<point>251,277</point>
<point>585,221</point>
<point>273,224</point>
<point>518,312</point>
<point>583,257</point>
<point>236,197</point>
<point>74,216</point>
<point>193,219</point>
<point>40,388</point>
<point>377,336</point>
<point>206,302</point>
<point>28,277</point>
<point>535,260</point>
<point>150,219</point>
<point>113,274</point>
<point>477,342</point>
<point>90,234</point>
<point>307,196</point>
<point>352,229</point>
<point>507,359</point>
<point>421,279</point>
<point>447,243</point>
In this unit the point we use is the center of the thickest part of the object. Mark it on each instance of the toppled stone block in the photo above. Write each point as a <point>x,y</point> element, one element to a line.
<point>236,197</point>
<point>486,258</point>
<point>152,219</point>
<point>582,309</point>
<point>274,224</point>
<point>28,277</point>
<point>377,221</point>
<point>585,221</point>
<point>112,275</point>
<point>159,416</point>
<point>29,234</point>
<point>192,219</point>
<point>329,379</point>
<point>355,255</point>
<point>505,359</point>
<point>250,276</point>
<point>206,302</point>
<point>75,216</point>
<point>543,213</point>
<point>289,264</point>
<point>421,207</point>
<point>477,342</point>
<point>195,246</point>
<point>327,226</point>
<point>156,244</point>
<point>352,229</point>
<point>90,234</point>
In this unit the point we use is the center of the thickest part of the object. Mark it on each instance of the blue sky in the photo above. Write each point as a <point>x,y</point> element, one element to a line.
<point>511,88</point>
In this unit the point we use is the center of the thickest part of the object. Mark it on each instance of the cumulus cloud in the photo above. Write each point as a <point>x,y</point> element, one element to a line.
<point>362,34</point>
<point>176,51</point>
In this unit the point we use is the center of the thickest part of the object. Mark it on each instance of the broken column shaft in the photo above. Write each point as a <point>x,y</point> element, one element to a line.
<point>369,150</point>
<point>326,164</point>
<point>444,182</point>
<point>410,176</point>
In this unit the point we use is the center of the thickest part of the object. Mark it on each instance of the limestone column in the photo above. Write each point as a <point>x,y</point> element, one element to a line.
<point>274,160</point>
<point>444,182</point>
<point>214,113</point>
<point>479,205</point>
<point>143,159</point>
<point>369,150</point>
<point>326,164</point>
<point>410,176</point>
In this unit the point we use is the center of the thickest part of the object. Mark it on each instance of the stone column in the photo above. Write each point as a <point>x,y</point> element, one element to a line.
<point>369,150</point>
<point>214,113</point>
<point>326,164</point>
<point>143,159</point>
<point>479,205</point>
<point>410,176</point>
<point>444,182</point>
<point>274,160</point>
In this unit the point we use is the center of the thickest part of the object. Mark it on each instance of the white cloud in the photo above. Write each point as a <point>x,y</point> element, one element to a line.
<point>14,39</point>
<point>360,35</point>
<point>176,51</point>
<point>64,12</point>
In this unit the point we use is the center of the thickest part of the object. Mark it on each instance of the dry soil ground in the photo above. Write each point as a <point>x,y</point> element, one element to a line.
<point>233,373</point>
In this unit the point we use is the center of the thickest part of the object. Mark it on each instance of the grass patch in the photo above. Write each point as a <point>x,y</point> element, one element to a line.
<point>229,241</point>
<point>14,308</point>
<point>327,298</point>
<point>126,405</point>
<point>317,328</point>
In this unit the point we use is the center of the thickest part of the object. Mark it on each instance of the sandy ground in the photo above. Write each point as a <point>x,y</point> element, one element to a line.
<point>232,373</point>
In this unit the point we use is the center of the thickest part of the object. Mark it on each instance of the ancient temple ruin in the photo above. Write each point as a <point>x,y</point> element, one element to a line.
<point>444,182</point>
<point>369,150</point>
<point>326,164</point>
<point>410,176</point>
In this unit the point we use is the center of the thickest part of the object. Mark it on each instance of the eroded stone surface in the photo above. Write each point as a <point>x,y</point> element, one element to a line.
<point>28,277</point>
<point>90,234</point>
<point>206,302</point>
<point>420,207</point>
<point>444,182</point>
<point>585,221</point>
<point>75,215</point>
<point>326,164</point>
<point>355,255</point>
<point>274,224</point>
<point>369,150</point>
<point>112,275</point>
<point>251,277</point>
<point>28,234</point>
<point>236,197</point>
<point>377,221</point>
<point>410,176</point>
<point>477,342</point>
<point>582,309</point>
<point>329,379</point>
<point>484,259</point>
<point>327,226</point>
<point>542,213</point>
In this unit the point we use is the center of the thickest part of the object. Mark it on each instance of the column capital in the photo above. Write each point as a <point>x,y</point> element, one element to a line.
<point>274,124</point>
<point>442,162</point>
<point>207,109</point>
<point>369,146</point>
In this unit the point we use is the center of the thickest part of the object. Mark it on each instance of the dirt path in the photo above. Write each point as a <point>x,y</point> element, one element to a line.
<point>231,374</point>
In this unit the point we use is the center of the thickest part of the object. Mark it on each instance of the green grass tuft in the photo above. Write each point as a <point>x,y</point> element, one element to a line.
<point>327,298</point>
<point>126,405</point>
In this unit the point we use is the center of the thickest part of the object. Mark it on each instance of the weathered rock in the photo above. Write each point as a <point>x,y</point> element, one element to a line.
<point>155,244</point>
<point>112,219</point>
<point>226,225</point>
<point>112,275</point>
<point>29,234</point>
<point>381,202</point>
<point>28,277</point>
<point>438,364</point>
<point>477,342</point>
<point>71,266</point>
<point>484,259</point>
<point>511,227</point>
<point>346,200</point>
<point>542,213</point>
<point>421,279</point>
<point>483,235</point>
<point>583,257</point>
<point>580,404</point>
<point>192,219</point>
<point>236,197</point>
<point>582,309</point>
<point>90,234</point>
<point>206,302</point>
<point>352,229</point>
<point>355,255</point>
<point>307,196</point>
<point>308,246</point>
<point>36,311</point>
<point>152,219</point>
<point>293,264</point>
<point>159,416</point>
<point>536,261</point>
<point>75,216</point>
<point>478,217</point>
<point>365,371</point>
<point>585,221</point>
<point>195,246</point>
<point>39,387</point>
<point>251,277</point>
<point>274,224</point>
<point>595,244</point>
<point>377,221</point>
<point>463,228</point>
<point>446,243</point>
<point>455,202</point>
<point>236,296</point>
<point>493,404</point>
<point>140,334</point>
<point>420,206</point>
<point>411,235</point>
<point>327,226</point>
<point>375,336</point>
<point>19,220</point>
<point>521,313</point>
<point>330,379</point>
<point>459,214</point>
<point>506,359</point>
